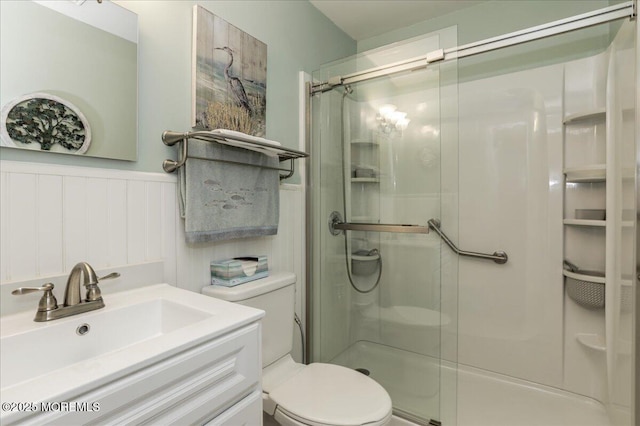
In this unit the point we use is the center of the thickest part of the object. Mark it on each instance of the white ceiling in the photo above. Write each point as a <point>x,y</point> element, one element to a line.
<point>362,19</point>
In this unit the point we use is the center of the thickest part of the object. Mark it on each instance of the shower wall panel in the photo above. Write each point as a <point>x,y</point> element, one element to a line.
<point>510,317</point>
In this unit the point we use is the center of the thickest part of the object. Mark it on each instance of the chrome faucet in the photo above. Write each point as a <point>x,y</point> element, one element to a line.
<point>81,275</point>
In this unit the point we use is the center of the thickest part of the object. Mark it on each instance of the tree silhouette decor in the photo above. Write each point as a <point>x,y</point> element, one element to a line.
<point>47,121</point>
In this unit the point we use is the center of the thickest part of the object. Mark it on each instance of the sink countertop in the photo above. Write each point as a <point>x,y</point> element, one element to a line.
<point>75,380</point>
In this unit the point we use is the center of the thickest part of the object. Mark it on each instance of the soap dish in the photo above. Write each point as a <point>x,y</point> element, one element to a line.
<point>364,262</point>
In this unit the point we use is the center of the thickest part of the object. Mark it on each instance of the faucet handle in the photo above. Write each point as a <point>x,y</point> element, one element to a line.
<point>93,291</point>
<point>110,276</point>
<point>47,302</point>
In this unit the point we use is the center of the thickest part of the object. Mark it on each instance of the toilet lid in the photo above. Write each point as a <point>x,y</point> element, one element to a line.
<point>326,394</point>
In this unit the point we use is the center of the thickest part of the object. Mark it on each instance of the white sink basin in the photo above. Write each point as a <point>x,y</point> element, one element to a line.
<point>62,345</point>
<point>52,361</point>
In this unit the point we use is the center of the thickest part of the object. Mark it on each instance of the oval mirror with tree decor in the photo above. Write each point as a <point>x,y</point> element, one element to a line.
<point>68,78</point>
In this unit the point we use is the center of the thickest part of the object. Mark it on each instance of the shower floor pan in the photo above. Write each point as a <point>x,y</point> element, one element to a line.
<point>484,398</point>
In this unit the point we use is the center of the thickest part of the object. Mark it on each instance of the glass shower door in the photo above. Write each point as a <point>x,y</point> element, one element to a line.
<point>384,303</point>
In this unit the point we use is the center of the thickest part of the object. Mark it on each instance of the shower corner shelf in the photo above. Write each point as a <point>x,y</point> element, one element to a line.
<point>364,142</point>
<point>592,341</point>
<point>596,114</point>
<point>584,222</point>
<point>365,180</point>
<point>582,277</point>
<point>586,174</point>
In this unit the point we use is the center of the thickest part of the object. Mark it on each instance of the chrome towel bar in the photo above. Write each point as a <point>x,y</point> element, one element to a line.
<point>171,138</point>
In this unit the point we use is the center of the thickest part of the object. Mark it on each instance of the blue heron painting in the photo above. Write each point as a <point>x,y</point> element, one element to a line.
<point>230,76</point>
<point>234,85</point>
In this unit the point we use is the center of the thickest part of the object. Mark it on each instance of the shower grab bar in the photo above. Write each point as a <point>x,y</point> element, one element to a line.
<point>336,226</point>
<point>381,227</point>
<point>499,257</point>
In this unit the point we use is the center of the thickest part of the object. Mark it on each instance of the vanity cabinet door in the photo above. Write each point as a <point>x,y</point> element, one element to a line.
<point>192,387</point>
<point>246,412</point>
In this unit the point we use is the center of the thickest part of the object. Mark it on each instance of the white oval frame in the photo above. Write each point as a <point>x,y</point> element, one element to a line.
<point>5,139</point>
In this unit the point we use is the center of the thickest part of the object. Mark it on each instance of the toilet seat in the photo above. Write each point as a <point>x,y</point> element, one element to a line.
<point>284,420</point>
<point>330,395</point>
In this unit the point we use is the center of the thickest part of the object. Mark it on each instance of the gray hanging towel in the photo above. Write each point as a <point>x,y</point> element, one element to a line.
<point>232,197</point>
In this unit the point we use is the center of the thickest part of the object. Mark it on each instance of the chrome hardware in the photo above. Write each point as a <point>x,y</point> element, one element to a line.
<point>170,138</point>
<point>596,17</point>
<point>336,225</point>
<point>382,227</point>
<point>47,302</point>
<point>499,257</point>
<point>334,219</point>
<point>81,275</point>
<point>83,329</point>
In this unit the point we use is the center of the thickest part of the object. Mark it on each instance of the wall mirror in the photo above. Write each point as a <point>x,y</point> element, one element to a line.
<point>68,77</point>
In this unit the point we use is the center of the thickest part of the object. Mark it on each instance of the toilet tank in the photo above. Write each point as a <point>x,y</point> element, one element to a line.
<point>275,295</point>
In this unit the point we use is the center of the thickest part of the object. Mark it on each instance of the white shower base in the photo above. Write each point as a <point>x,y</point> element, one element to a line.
<point>483,398</point>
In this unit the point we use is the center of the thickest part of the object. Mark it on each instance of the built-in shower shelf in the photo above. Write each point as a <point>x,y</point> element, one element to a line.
<point>597,114</point>
<point>364,142</point>
<point>592,341</point>
<point>586,174</point>
<point>583,277</point>
<point>365,180</point>
<point>584,222</point>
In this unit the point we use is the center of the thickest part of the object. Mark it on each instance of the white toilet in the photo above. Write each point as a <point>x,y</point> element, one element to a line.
<point>296,394</point>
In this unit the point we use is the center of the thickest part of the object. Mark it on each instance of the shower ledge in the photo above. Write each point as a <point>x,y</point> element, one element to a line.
<point>595,114</point>
<point>597,343</point>
<point>592,341</point>
<point>591,173</point>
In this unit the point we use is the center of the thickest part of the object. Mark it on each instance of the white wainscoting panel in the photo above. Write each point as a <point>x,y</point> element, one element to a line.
<point>54,216</point>
<point>117,240</point>
<point>22,231</point>
<point>285,251</point>
<point>49,225</point>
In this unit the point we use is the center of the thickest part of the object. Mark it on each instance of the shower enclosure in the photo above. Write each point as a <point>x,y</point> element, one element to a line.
<point>502,151</point>
<point>385,152</point>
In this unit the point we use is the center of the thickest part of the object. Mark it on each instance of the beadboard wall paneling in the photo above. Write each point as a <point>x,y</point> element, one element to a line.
<point>49,225</point>
<point>22,226</point>
<point>284,250</point>
<point>55,216</point>
<point>52,217</point>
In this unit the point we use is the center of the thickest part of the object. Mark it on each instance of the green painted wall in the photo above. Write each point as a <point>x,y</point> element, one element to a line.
<point>498,17</point>
<point>65,57</point>
<point>298,38</point>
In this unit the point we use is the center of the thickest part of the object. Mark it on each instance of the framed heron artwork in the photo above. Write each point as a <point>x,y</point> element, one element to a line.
<point>229,80</point>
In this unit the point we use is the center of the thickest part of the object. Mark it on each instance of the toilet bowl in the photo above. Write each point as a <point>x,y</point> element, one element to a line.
<point>297,394</point>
